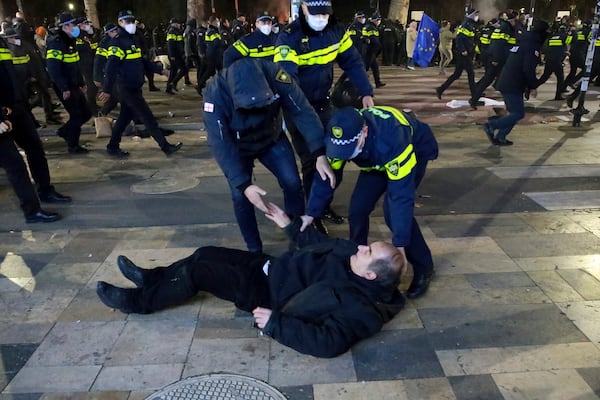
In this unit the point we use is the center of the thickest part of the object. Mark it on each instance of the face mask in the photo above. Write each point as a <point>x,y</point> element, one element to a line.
<point>476,18</point>
<point>89,30</point>
<point>130,28</point>
<point>357,151</point>
<point>17,42</point>
<point>362,20</point>
<point>275,30</point>
<point>75,32</point>
<point>266,29</point>
<point>317,22</point>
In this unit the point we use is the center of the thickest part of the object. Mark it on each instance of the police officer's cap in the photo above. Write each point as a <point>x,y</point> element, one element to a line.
<point>175,21</point>
<point>319,7</point>
<point>110,27</point>
<point>375,16</point>
<point>512,15</point>
<point>493,21</point>
<point>264,16</point>
<point>343,132</point>
<point>67,18</point>
<point>471,12</point>
<point>126,14</point>
<point>359,14</point>
<point>9,33</point>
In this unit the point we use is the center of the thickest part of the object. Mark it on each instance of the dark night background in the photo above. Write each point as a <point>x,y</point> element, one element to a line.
<point>155,11</point>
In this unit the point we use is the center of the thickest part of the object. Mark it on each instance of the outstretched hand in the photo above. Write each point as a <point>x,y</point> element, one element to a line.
<point>306,221</point>
<point>277,215</point>
<point>254,195</point>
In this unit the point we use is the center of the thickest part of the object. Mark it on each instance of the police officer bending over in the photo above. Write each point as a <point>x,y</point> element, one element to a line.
<point>242,118</point>
<point>392,150</point>
<point>126,64</point>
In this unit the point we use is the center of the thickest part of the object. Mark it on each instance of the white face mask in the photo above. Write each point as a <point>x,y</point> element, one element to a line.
<point>266,29</point>
<point>130,28</point>
<point>275,30</point>
<point>476,18</point>
<point>317,22</point>
<point>89,30</point>
<point>17,42</point>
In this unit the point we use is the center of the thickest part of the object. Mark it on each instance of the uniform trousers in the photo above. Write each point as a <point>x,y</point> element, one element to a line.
<point>462,63</point>
<point>178,70</point>
<point>554,66</point>
<point>491,73</point>
<point>79,113</point>
<point>516,111</point>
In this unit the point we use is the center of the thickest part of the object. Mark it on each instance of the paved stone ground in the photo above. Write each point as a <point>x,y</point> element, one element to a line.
<point>513,312</point>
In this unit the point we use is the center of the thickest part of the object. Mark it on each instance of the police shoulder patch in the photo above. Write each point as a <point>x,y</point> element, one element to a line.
<point>283,77</point>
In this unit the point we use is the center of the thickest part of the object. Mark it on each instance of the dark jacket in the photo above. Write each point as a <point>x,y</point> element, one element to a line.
<point>175,45</point>
<point>371,37</point>
<point>62,61</point>
<point>214,46</point>
<point>7,88</point>
<point>125,63</point>
<point>355,30</point>
<point>100,59</point>
<point>502,40</point>
<point>518,73</point>
<point>319,306</point>
<point>254,45</point>
<point>238,30</point>
<point>242,116</point>
<point>309,57</point>
<point>394,144</point>
<point>465,37</point>
<point>23,70</point>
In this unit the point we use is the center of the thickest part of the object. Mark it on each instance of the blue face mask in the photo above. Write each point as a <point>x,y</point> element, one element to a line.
<point>75,32</point>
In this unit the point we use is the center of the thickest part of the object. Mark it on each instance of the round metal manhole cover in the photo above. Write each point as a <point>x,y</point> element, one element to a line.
<point>218,387</point>
<point>165,185</point>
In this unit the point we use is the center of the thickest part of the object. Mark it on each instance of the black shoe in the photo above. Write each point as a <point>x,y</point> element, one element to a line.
<point>560,98</point>
<point>169,91</point>
<point>60,133</point>
<point>489,131</point>
<point>380,85</point>
<point>320,226</point>
<point>154,89</point>
<point>171,148</point>
<point>570,102</point>
<point>189,84</point>
<point>332,216</point>
<point>473,104</point>
<point>131,271</point>
<point>419,285</point>
<point>53,120</point>
<point>52,196</point>
<point>42,216</point>
<point>503,142</point>
<point>167,132</point>
<point>438,92</point>
<point>125,300</point>
<point>78,150</point>
<point>117,153</point>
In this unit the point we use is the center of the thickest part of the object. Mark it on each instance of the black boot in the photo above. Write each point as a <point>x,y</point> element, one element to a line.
<point>171,148</point>
<point>419,285</point>
<point>131,271</point>
<point>125,300</point>
<point>332,216</point>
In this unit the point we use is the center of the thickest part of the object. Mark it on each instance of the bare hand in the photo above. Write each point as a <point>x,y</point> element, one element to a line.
<point>254,194</point>
<point>404,266</point>
<point>165,72</point>
<point>277,215</point>
<point>367,102</point>
<point>66,94</point>
<point>306,221</point>
<point>5,126</point>
<point>83,89</point>
<point>261,316</point>
<point>98,84</point>
<point>103,96</point>
<point>325,171</point>
<point>464,53</point>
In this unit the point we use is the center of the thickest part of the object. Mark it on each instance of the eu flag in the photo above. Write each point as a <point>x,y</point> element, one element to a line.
<point>428,38</point>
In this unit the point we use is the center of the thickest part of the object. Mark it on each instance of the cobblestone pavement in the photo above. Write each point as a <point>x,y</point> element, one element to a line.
<point>513,311</point>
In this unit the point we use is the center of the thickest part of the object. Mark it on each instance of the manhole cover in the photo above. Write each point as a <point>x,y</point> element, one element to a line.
<point>217,387</point>
<point>164,185</point>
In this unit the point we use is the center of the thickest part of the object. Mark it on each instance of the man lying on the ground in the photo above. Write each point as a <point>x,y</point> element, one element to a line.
<point>319,298</point>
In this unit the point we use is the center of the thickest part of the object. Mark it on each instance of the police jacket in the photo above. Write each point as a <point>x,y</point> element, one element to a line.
<point>22,67</point>
<point>319,306</point>
<point>309,57</point>
<point>393,146</point>
<point>465,37</point>
<point>125,63</point>
<point>502,40</point>
<point>242,107</point>
<point>175,45</point>
<point>214,45</point>
<point>100,59</point>
<point>238,30</point>
<point>200,41</point>
<point>355,32</point>
<point>556,49</point>
<point>518,73</point>
<point>86,47</point>
<point>371,36</point>
<point>8,80</point>
<point>254,45</point>
<point>62,60</point>
<point>485,38</point>
<point>578,45</point>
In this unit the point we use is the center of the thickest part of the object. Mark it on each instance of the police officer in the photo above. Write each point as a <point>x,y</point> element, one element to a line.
<point>355,30</point>
<point>86,47</point>
<point>238,27</point>
<point>392,150</point>
<point>201,50</point>
<point>258,44</point>
<point>126,64</point>
<point>242,108</point>
<point>100,59</point>
<point>176,50</point>
<point>556,51</point>
<point>484,39</point>
<point>388,41</point>
<point>189,41</point>
<point>373,47</point>
<point>64,69</point>
<point>214,51</point>
<point>465,48</point>
<point>578,45</point>
<point>307,49</point>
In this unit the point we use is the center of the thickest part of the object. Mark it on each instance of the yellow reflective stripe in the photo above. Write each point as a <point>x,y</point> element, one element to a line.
<point>94,45</point>
<point>264,52</point>
<point>484,40</point>
<point>335,163</point>
<point>345,43</point>
<point>101,51</point>
<point>212,38</point>
<point>351,32</point>
<point>133,54</point>
<point>465,31</point>
<point>5,54</point>
<point>116,51</point>
<point>78,42</point>
<point>21,60</point>
<point>402,165</point>
<point>321,56</point>
<point>511,40</point>
<point>368,33</point>
<point>285,53</point>
<point>241,47</point>
<point>555,42</point>
<point>175,37</point>
<point>395,112</point>
<point>71,58</point>
<point>580,36</point>
<point>497,35</point>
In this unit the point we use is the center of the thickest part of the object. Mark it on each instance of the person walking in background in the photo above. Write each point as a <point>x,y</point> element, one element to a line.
<point>176,50</point>
<point>411,39</point>
<point>445,46</point>
<point>373,47</point>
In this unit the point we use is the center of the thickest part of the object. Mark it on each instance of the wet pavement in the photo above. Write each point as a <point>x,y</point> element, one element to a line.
<point>512,313</point>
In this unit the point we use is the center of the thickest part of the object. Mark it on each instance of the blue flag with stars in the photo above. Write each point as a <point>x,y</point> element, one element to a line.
<point>428,38</point>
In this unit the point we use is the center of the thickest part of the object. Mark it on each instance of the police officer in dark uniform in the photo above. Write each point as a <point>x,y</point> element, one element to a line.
<point>64,69</point>
<point>86,47</point>
<point>100,59</point>
<point>307,49</point>
<point>484,39</point>
<point>238,27</point>
<point>201,50</point>
<point>355,30</point>
<point>556,51</point>
<point>127,65</point>
<point>388,41</point>
<point>214,51</point>
<point>258,44</point>
<point>578,45</point>
<point>176,50</point>
<point>373,47</point>
<point>392,150</point>
<point>465,48</point>
<point>242,108</point>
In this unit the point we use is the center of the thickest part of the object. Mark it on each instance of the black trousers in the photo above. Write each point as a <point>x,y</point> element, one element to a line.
<point>178,70</point>
<point>491,73</point>
<point>371,63</point>
<point>134,106</point>
<point>554,66</point>
<point>462,63</point>
<point>79,113</point>
<point>16,172</point>
<point>87,70</point>
<point>230,274</point>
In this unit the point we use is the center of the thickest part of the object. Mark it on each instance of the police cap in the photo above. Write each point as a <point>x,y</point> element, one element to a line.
<point>343,132</point>
<point>126,14</point>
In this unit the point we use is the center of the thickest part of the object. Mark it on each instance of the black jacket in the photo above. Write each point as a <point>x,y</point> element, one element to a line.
<point>254,45</point>
<point>62,60</point>
<point>319,306</point>
<point>518,73</point>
